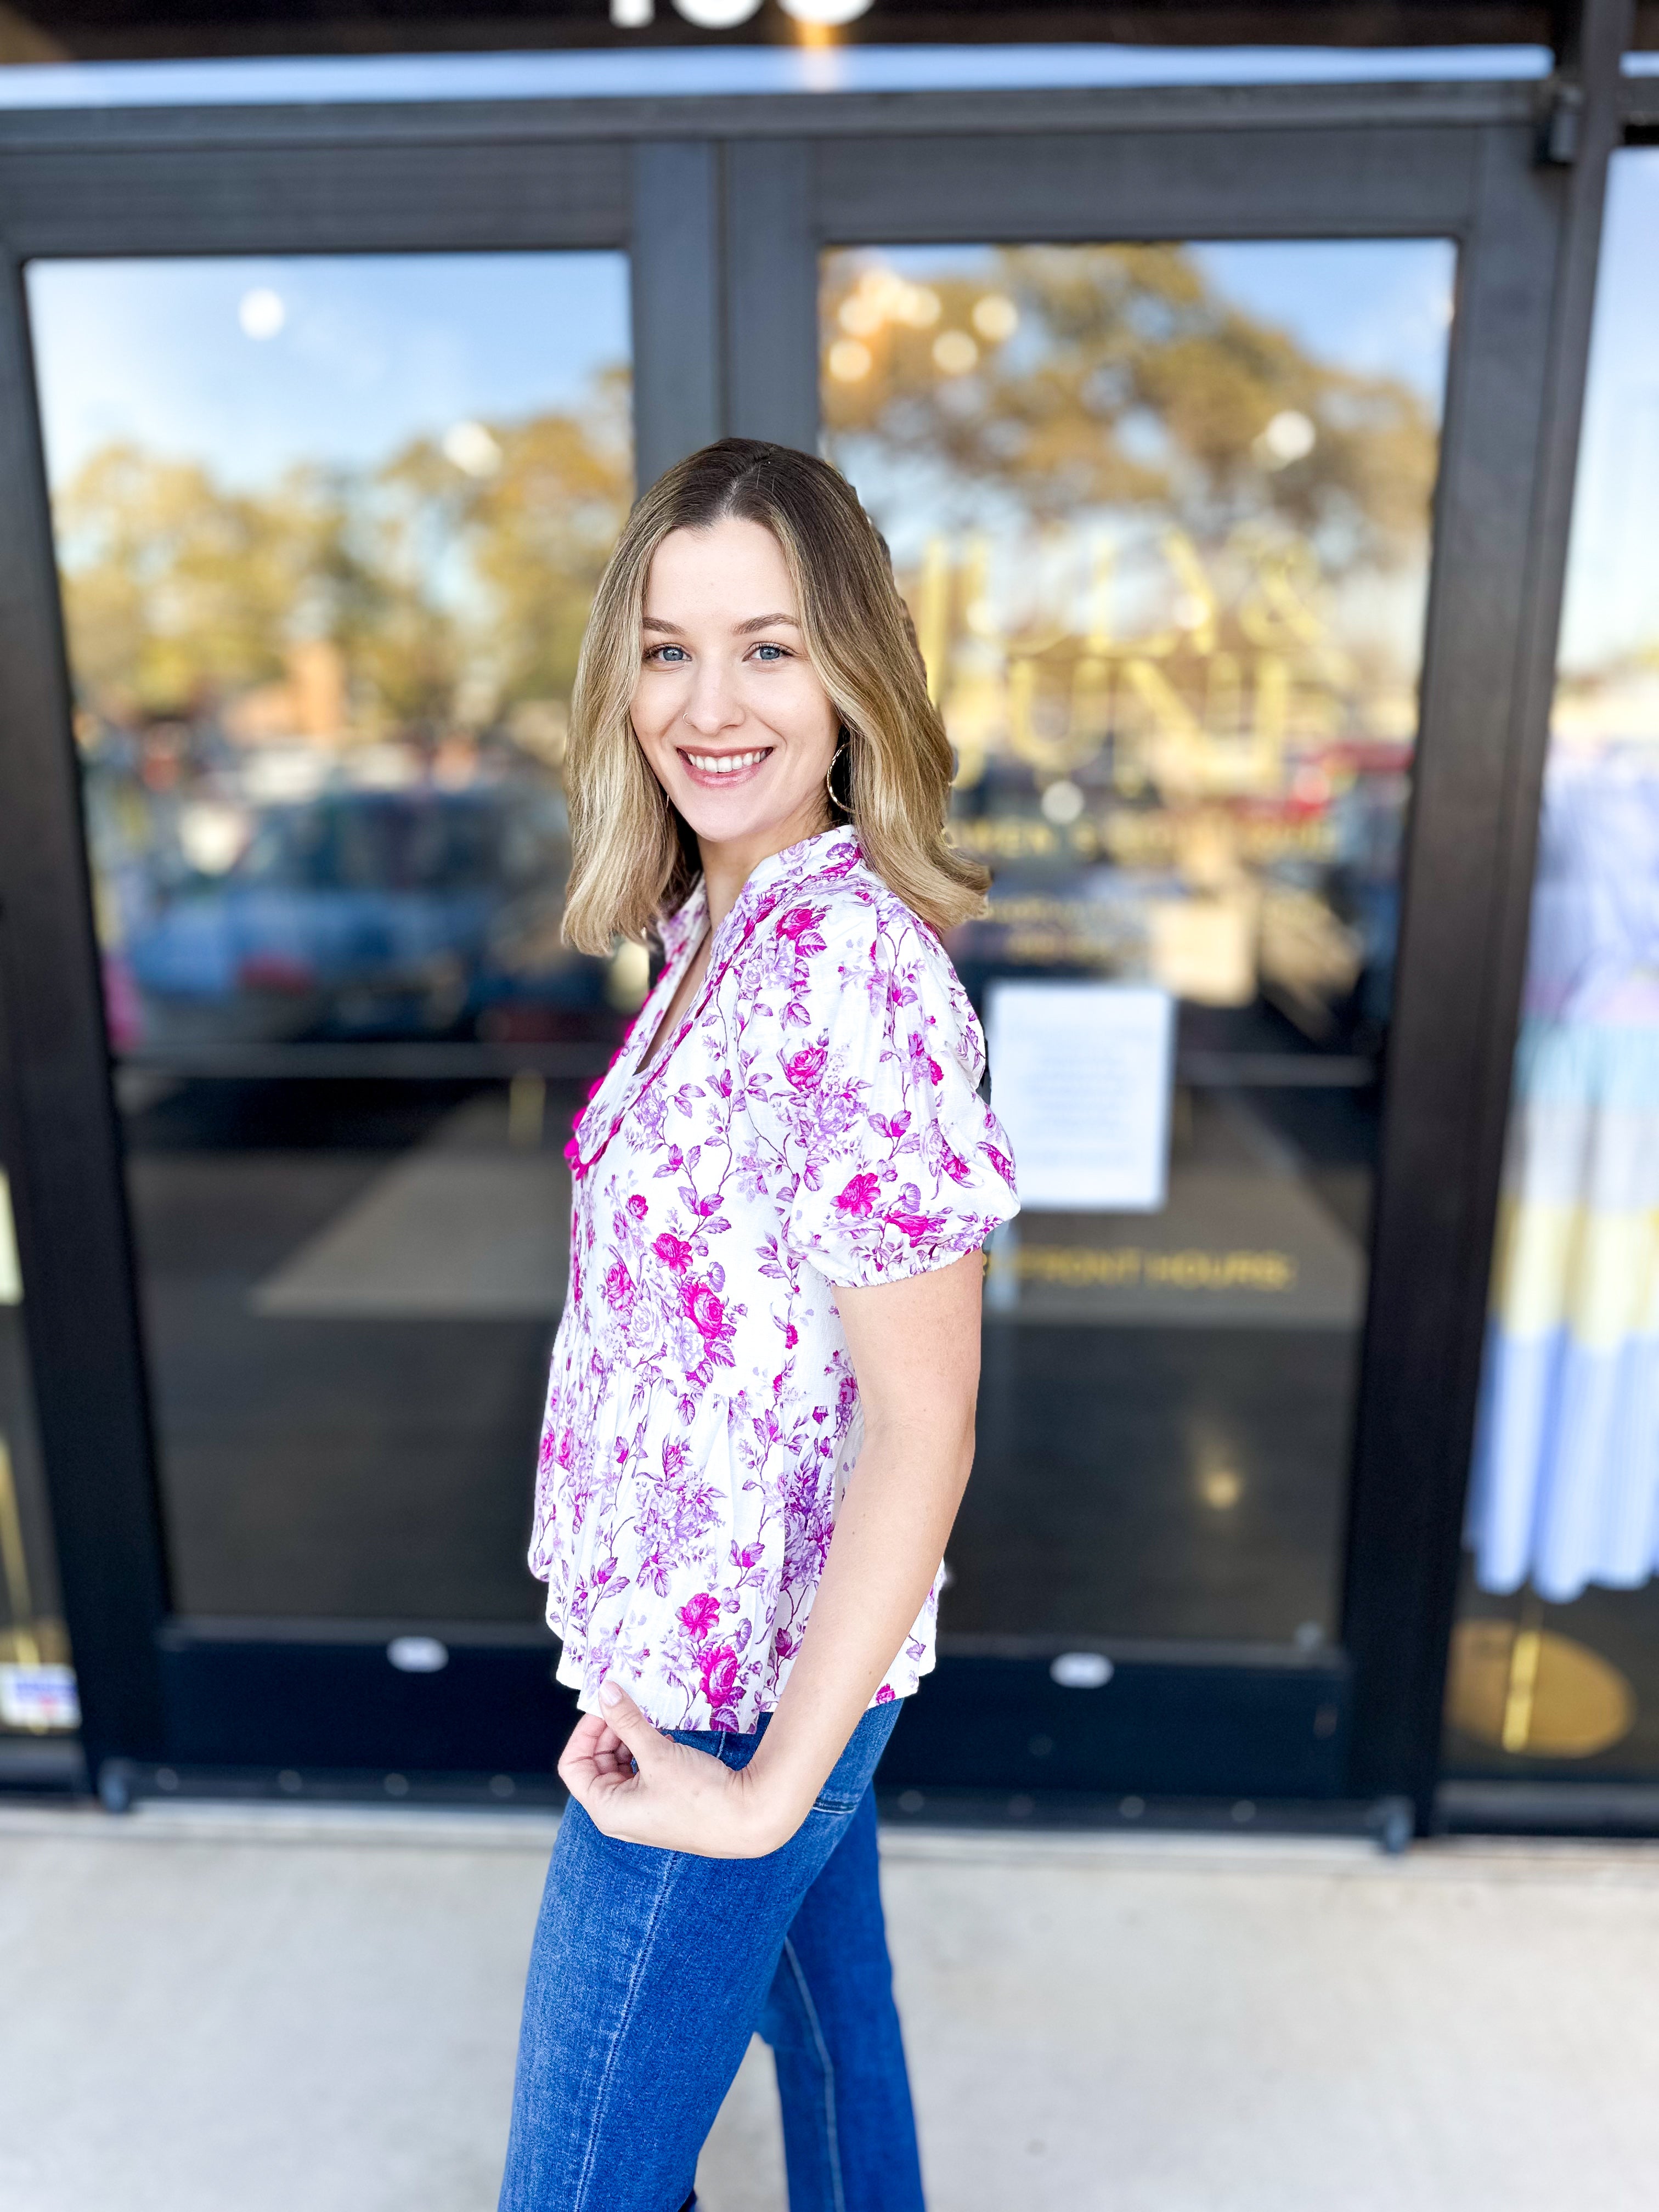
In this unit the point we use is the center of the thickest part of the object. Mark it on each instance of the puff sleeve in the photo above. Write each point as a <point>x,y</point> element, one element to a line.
<point>892,1164</point>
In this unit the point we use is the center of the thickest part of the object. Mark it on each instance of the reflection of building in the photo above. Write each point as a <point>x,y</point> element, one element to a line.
<point>1186,531</point>
<point>310,701</point>
<point>1117,691</point>
<point>1204,698</point>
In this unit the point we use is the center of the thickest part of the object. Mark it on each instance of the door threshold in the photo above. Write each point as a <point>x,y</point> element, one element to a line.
<point>1499,1808</point>
<point>1388,1821</point>
<point>31,1766</point>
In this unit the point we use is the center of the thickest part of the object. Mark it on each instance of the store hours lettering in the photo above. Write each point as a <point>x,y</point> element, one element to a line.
<point>1123,1267</point>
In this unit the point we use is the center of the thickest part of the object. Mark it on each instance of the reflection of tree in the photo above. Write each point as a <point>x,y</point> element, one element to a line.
<point>427,575</point>
<point>546,523</point>
<point>1150,516</point>
<point>1079,377</point>
<point>174,587</point>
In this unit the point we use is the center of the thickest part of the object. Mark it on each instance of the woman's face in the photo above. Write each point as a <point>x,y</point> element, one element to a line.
<point>728,709</point>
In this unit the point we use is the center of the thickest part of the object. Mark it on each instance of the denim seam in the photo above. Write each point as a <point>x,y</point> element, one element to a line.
<point>596,2131</point>
<point>831,2141</point>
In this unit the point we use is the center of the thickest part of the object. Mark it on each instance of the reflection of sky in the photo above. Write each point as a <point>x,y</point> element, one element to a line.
<point>1612,576</point>
<point>1381,306</point>
<point>372,352</point>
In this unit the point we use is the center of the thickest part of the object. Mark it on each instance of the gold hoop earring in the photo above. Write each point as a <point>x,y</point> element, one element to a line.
<point>841,806</point>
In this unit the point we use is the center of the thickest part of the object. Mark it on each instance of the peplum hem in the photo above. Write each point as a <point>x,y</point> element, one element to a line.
<point>659,1699</point>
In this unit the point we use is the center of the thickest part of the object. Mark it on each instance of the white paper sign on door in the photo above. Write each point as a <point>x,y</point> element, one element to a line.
<point>1081,1077</point>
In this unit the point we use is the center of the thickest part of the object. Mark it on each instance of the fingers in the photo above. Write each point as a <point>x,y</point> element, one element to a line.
<point>640,1786</point>
<point>578,1761</point>
<point>628,1725</point>
<point>599,1756</point>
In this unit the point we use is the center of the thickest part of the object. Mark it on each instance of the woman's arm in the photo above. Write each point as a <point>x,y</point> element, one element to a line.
<point>915,1347</point>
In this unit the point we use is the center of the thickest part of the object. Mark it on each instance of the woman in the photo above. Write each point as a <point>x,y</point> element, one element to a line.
<point>761,1415</point>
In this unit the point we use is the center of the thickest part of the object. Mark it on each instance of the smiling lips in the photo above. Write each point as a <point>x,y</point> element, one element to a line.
<point>722,767</point>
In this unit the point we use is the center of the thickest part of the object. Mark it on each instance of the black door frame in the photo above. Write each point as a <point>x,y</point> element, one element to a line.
<point>724,205</point>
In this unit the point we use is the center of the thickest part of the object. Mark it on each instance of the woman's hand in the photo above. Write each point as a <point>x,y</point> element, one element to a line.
<point>680,1799</point>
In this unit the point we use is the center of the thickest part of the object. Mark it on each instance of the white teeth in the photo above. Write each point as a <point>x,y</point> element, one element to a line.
<point>725,763</point>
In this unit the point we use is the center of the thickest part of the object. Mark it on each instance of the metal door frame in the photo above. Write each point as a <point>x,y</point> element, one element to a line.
<point>724,205</point>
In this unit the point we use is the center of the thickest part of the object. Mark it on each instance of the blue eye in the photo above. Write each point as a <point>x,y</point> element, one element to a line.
<point>776,652</point>
<point>662,652</point>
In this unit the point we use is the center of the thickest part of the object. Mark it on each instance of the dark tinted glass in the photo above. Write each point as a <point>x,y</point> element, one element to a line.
<point>327,532</point>
<point>1162,514</point>
<point>37,1685</point>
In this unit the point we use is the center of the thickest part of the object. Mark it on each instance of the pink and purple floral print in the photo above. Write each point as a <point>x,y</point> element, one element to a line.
<point>813,1121</point>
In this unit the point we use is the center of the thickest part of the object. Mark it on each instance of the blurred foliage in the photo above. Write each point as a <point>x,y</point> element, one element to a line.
<point>434,579</point>
<point>172,585</point>
<point>1084,377</point>
<point>1122,377</point>
<point>553,512</point>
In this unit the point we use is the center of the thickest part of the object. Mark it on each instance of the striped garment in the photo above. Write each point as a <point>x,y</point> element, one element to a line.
<point>1565,1482</point>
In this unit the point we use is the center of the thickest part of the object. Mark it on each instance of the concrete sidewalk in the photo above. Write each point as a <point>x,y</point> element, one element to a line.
<point>290,2011</point>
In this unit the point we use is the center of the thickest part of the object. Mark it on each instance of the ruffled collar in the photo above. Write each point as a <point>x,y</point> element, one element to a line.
<point>828,853</point>
<point>827,857</point>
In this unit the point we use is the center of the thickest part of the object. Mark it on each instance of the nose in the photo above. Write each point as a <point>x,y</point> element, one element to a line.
<point>712,704</point>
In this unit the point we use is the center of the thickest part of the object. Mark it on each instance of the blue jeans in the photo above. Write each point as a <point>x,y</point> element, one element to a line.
<point>649,1973</point>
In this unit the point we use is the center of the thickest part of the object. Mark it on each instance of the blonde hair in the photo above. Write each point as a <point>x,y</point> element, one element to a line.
<point>634,858</point>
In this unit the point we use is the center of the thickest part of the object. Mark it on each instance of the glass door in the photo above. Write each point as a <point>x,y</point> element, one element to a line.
<point>1162,516</point>
<point>327,529</point>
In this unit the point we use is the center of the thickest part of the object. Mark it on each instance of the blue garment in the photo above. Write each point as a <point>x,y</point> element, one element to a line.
<point>1563,1489</point>
<point>649,1972</point>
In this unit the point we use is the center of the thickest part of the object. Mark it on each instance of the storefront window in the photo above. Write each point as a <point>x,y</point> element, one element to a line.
<point>37,1683</point>
<point>1162,516</point>
<point>1556,1658</point>
<point>327,531</point>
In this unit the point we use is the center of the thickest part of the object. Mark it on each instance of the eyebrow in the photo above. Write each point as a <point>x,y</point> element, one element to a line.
<point>738,629</point>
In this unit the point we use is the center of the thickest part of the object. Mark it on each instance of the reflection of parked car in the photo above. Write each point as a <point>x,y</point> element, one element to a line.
<point>359,913</point>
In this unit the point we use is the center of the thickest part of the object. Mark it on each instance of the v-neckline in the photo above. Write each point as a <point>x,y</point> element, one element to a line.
<point>663,1039</point>
<point>633,1073</point>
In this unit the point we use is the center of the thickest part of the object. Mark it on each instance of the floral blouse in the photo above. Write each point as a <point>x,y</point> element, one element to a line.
<point>813,1121</point>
